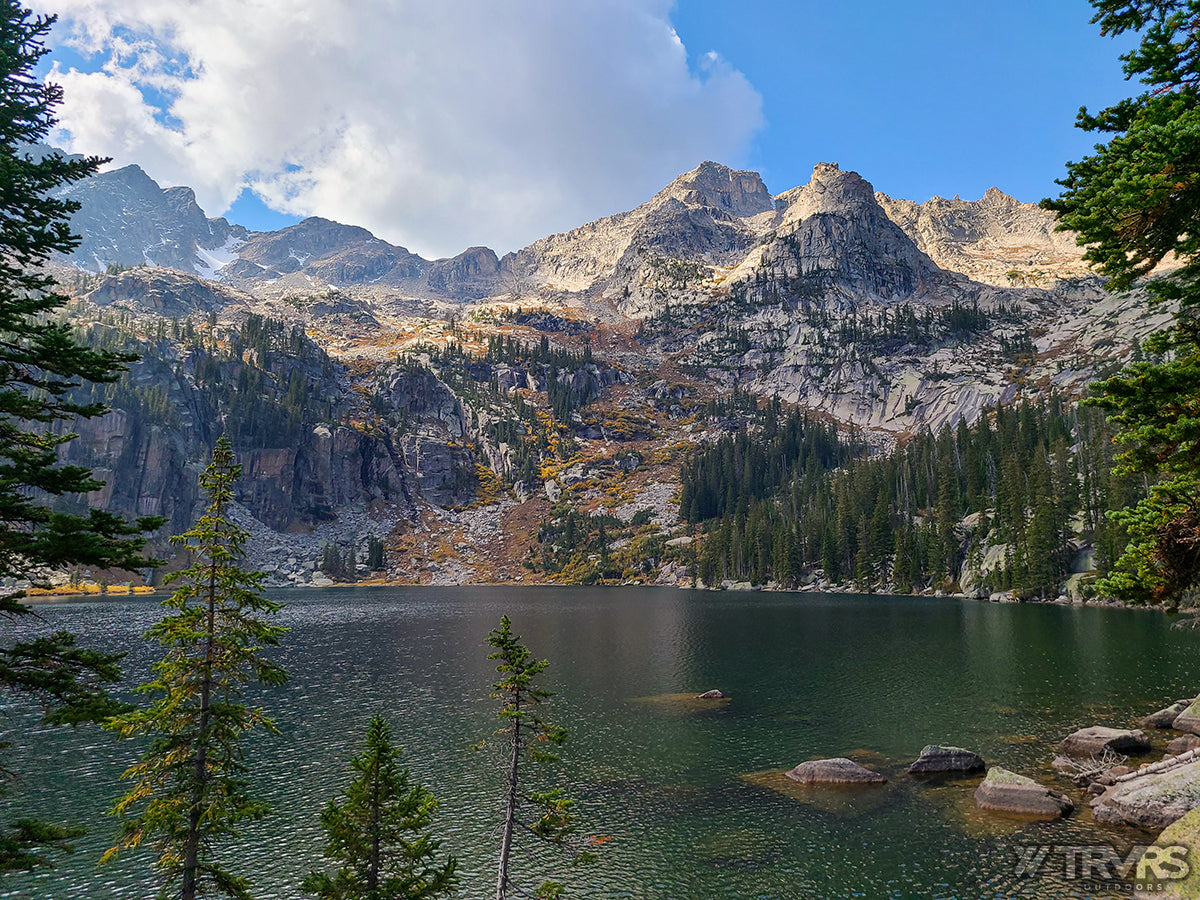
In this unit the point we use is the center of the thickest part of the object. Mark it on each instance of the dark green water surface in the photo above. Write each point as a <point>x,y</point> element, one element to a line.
<point>809,675</point>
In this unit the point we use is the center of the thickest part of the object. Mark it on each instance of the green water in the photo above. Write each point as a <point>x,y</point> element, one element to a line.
<point>809,675</point>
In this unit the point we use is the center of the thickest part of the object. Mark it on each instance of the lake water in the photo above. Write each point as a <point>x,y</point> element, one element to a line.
<point>809,675</point>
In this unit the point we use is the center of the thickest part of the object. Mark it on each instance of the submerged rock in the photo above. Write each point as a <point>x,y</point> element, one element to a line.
<point>1005,791</point>
<point>1189,719</point>
<point>834,771</point>
<point>1150,801</point>
<point>1095,740</point>
<point>1165,718</point>
<point>935,758</point>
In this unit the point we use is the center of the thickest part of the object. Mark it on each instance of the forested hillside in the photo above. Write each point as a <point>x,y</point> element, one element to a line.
<point>1008,503</point>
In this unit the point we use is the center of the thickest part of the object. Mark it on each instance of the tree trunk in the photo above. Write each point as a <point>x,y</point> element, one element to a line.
<point>510,812</point>
<point>191,841</point>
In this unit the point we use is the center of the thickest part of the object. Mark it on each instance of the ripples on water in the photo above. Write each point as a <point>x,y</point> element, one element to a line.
<point>809,676</point>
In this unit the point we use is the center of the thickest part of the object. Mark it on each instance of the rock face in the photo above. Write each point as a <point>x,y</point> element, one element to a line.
<point>1151,801</point>
<point>1095,740</point>
<point>1166,717</point>
<point>996,240</point>
<point>937,759</point>
<point>126,219</point>
<point>1005,791</point>
<point>1189,719</point>
<point>834,771</point>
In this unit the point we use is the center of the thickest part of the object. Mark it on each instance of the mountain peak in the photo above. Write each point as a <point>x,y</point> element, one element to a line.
<point>712,184</point>
<point>830,190</point>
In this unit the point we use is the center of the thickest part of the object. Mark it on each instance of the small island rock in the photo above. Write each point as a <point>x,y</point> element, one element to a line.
<point>1005,791</point>
<point>834,771</point>
<point>1151,801</point>
<point>1189,719</point>
<point>1165,718</point>
<point>714,694</point>
<point>935,758</point>
<point>1095,740</point>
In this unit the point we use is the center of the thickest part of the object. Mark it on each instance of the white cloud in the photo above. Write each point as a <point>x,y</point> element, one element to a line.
<point>437,125</point>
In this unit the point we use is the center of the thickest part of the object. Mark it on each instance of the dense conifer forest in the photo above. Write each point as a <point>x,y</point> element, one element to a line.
<point>1018,496</point>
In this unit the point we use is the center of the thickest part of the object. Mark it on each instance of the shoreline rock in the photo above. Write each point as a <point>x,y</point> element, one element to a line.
<point>1097,739</point>
<point>1150,801</point>
<point>1189,719</point>
<point>1166,717</point>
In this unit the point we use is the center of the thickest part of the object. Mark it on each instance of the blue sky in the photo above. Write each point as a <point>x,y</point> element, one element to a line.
<point>922,97</point>
<point>440,126</point>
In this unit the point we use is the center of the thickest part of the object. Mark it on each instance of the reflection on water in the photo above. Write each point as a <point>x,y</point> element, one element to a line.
<point>690,792</point>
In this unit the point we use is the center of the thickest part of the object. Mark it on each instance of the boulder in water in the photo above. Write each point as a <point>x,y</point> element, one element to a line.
<point>834,771</point>
<point>1095,740</point>
<point>1005,791</point>
<point>936,759</point>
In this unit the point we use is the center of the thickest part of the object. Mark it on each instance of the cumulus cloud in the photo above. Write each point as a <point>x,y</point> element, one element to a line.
<point>437,125</point>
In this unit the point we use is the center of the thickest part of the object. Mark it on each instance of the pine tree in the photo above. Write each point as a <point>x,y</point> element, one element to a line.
<point>190,790</point>
<point>526,734</point>
<point>1134,203</point>
<point>378,833</point>
<point>40,363</point>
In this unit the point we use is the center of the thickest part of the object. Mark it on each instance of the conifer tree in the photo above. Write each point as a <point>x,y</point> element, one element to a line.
<point>190,790</point>
<point>40,363</point>
<point>1136,202</point>
<point>526,737</point>
<point>379,833</point>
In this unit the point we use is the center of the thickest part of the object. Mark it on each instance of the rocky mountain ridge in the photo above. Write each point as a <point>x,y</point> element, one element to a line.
<point>579,369</point>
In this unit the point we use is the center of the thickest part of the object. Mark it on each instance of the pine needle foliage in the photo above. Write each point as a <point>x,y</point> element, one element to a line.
<point>527,737</point>
<point>40,363</point>
<point>190,790</point>
<point>378,833</point>
<point>1135,203</point>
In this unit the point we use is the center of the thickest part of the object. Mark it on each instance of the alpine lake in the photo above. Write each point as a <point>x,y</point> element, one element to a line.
<point>685,799</point>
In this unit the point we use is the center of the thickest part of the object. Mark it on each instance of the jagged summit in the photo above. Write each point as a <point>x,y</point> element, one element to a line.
<point>711,184</point>
<point>126,219</point>
<point>713,223</point>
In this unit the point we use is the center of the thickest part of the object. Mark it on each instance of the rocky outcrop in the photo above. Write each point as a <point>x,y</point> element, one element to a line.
<point>1150,801</point>
<point>1166,717</point>
<point>166,292</point>
<point>834,771</point>
<point>1097,739</point>
<point>714,694</point>
<point>996,239</point>
<point>1189,719</point>
<point>936,759</point>
<point>1008,792</point>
